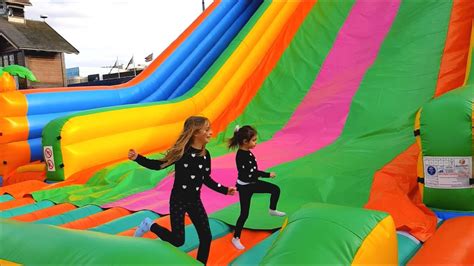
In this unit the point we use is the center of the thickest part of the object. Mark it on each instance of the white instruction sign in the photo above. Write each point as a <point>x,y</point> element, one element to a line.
<point>447,172</point>
<point>49,158</point>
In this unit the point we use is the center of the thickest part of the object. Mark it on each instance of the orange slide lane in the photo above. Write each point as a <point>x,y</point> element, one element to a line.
<point>394,188</point>
<point>453,64</point>
<point>151,68</point>
<point>97,219</point>
<point>452,244</point>
<point>45,213</point>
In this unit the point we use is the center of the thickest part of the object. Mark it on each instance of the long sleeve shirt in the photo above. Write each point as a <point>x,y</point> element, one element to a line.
<point>191,172</point>
<point>248,168</point>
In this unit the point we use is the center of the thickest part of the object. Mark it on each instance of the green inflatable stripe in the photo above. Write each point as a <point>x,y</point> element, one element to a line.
<point>124,223</point>
<point>407,247</point>
<point>70,215</point>
<point>323,234</point>
<point>82,247</point>
<point>191,242</point>
<point>446,130</point>
<point>5,198</point>
<point>379,125</point>
<point>26,209</point>
<point>255,255</point>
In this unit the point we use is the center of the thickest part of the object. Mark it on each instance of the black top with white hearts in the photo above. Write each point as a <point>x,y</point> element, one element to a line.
<point>247,167</point>
<point>191,171</point>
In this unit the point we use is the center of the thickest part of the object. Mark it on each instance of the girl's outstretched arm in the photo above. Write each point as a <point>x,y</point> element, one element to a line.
<point>150,163</point>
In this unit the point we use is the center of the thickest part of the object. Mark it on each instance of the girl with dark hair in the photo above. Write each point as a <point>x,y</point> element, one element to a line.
<point>245,139</point>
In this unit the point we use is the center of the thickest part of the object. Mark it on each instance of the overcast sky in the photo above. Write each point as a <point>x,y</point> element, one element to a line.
<point>103,30</point>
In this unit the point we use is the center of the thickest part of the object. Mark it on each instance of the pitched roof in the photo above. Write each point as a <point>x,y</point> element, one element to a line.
<point>22,2</point>
<point>34,35</point>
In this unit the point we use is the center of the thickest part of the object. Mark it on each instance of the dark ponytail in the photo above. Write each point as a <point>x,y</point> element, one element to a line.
<point>245,133</point>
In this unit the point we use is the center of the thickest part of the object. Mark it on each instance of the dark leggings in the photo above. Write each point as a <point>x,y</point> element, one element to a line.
<point>245,194</point>
<point>198,216</point>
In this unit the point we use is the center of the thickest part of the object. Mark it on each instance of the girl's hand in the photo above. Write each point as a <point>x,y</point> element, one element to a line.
<point>273,175</point>
<point>132,154</point>
<point>231,190</point>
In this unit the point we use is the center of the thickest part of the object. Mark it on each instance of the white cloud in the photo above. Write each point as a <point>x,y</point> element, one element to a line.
<point>103,30</point>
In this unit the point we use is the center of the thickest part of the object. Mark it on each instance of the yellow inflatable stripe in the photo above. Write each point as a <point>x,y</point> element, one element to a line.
<point>103,137</point>
<point>380,246</point>
<point>9,263</point>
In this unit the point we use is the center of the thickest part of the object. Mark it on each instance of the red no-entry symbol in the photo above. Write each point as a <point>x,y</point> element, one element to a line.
<point>50,164</point>
<point>48,153</point>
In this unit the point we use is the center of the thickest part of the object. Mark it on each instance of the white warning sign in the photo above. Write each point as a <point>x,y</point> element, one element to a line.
<point>49,158</point>
<point>447,172</point>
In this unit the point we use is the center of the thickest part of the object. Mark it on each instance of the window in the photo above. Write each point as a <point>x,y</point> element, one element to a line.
<point>12,59</point>
<point>5,60</point>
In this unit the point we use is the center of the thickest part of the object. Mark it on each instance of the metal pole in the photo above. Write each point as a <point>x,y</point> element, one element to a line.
<point>203,6</point>
<point>134,68</point>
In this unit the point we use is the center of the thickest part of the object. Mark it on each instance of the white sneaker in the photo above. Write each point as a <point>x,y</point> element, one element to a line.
<point>276,213</point>
<point>143,227</point>
<point>237,244</point>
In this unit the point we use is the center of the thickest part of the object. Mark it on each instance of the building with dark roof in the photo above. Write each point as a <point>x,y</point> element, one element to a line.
<point>33,44</point>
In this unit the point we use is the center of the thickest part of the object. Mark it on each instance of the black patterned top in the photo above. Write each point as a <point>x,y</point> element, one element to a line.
<point>191,172</point>
<point>247,167</point>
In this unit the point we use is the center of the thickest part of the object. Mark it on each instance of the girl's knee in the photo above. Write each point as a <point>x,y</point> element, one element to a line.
<point>276,189</point>
<point>179,240</point>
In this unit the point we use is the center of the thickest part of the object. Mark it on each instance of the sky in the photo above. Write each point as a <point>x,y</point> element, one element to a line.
<point>104,30</point>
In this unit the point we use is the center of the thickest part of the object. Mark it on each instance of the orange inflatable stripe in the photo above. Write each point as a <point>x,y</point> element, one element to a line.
<point>16,203</point>
<point>45,213</point>
<point>395,190</point>
<point>152,67</point>
<point>273,55</point>
<point>97,219</point>
<point>18,177</point>
<point>13,129</point>
<point>9,152</point>
<point>452,244</point>
<point>454,61</point>
<point>18,190</point>
<point>222,250</point>
<point>163,221</point>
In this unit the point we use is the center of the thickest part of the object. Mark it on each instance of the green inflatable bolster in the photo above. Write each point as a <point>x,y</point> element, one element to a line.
<point>446,130</point>
<point>56,246</point>
<point>323,234</point>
